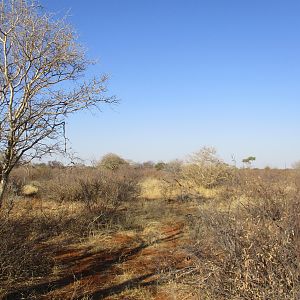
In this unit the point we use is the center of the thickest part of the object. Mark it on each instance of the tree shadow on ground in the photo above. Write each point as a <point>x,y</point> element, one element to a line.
<point>127,285</point>
<point>99,263</point>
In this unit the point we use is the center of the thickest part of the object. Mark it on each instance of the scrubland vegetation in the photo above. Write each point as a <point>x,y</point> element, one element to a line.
<point>201,229</point>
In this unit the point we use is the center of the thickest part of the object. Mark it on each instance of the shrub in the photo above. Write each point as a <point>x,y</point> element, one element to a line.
<point>296,165</point>
<point>160,166</point>
<point>251,251</point>
<point>207,170</point>
<point>93,186</point>
<point>112,162</point>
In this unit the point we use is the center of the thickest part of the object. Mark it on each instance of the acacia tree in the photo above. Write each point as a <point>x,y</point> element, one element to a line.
<point>42,68</point>
<point>248,160</point>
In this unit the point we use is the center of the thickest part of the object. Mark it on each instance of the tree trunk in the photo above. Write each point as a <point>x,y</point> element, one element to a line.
<point>3,187</point>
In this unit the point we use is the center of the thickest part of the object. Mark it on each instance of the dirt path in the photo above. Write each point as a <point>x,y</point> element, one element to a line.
<point>132,270</point>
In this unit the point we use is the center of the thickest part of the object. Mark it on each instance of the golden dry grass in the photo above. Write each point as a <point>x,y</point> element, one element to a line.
<point>151,188</point>
<point>29,190</point>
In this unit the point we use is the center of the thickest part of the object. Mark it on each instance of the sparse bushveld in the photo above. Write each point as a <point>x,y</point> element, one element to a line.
<point>232,235</point>
<point>194,229</point>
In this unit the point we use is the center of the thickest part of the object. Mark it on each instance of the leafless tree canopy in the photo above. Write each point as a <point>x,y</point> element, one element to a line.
<point>39,58</point>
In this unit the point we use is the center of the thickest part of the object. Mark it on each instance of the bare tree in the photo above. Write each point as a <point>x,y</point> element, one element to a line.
<point>42,68</point>
<point>206,169</point>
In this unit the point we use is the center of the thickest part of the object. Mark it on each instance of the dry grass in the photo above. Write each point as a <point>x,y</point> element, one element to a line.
<point>151,188</point>
<point>29,190</point>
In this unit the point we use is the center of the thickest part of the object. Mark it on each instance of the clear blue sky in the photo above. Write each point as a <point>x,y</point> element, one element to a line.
<point>191,73</point>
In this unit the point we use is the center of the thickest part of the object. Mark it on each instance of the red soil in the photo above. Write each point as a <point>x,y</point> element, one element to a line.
<point>107,274</point>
